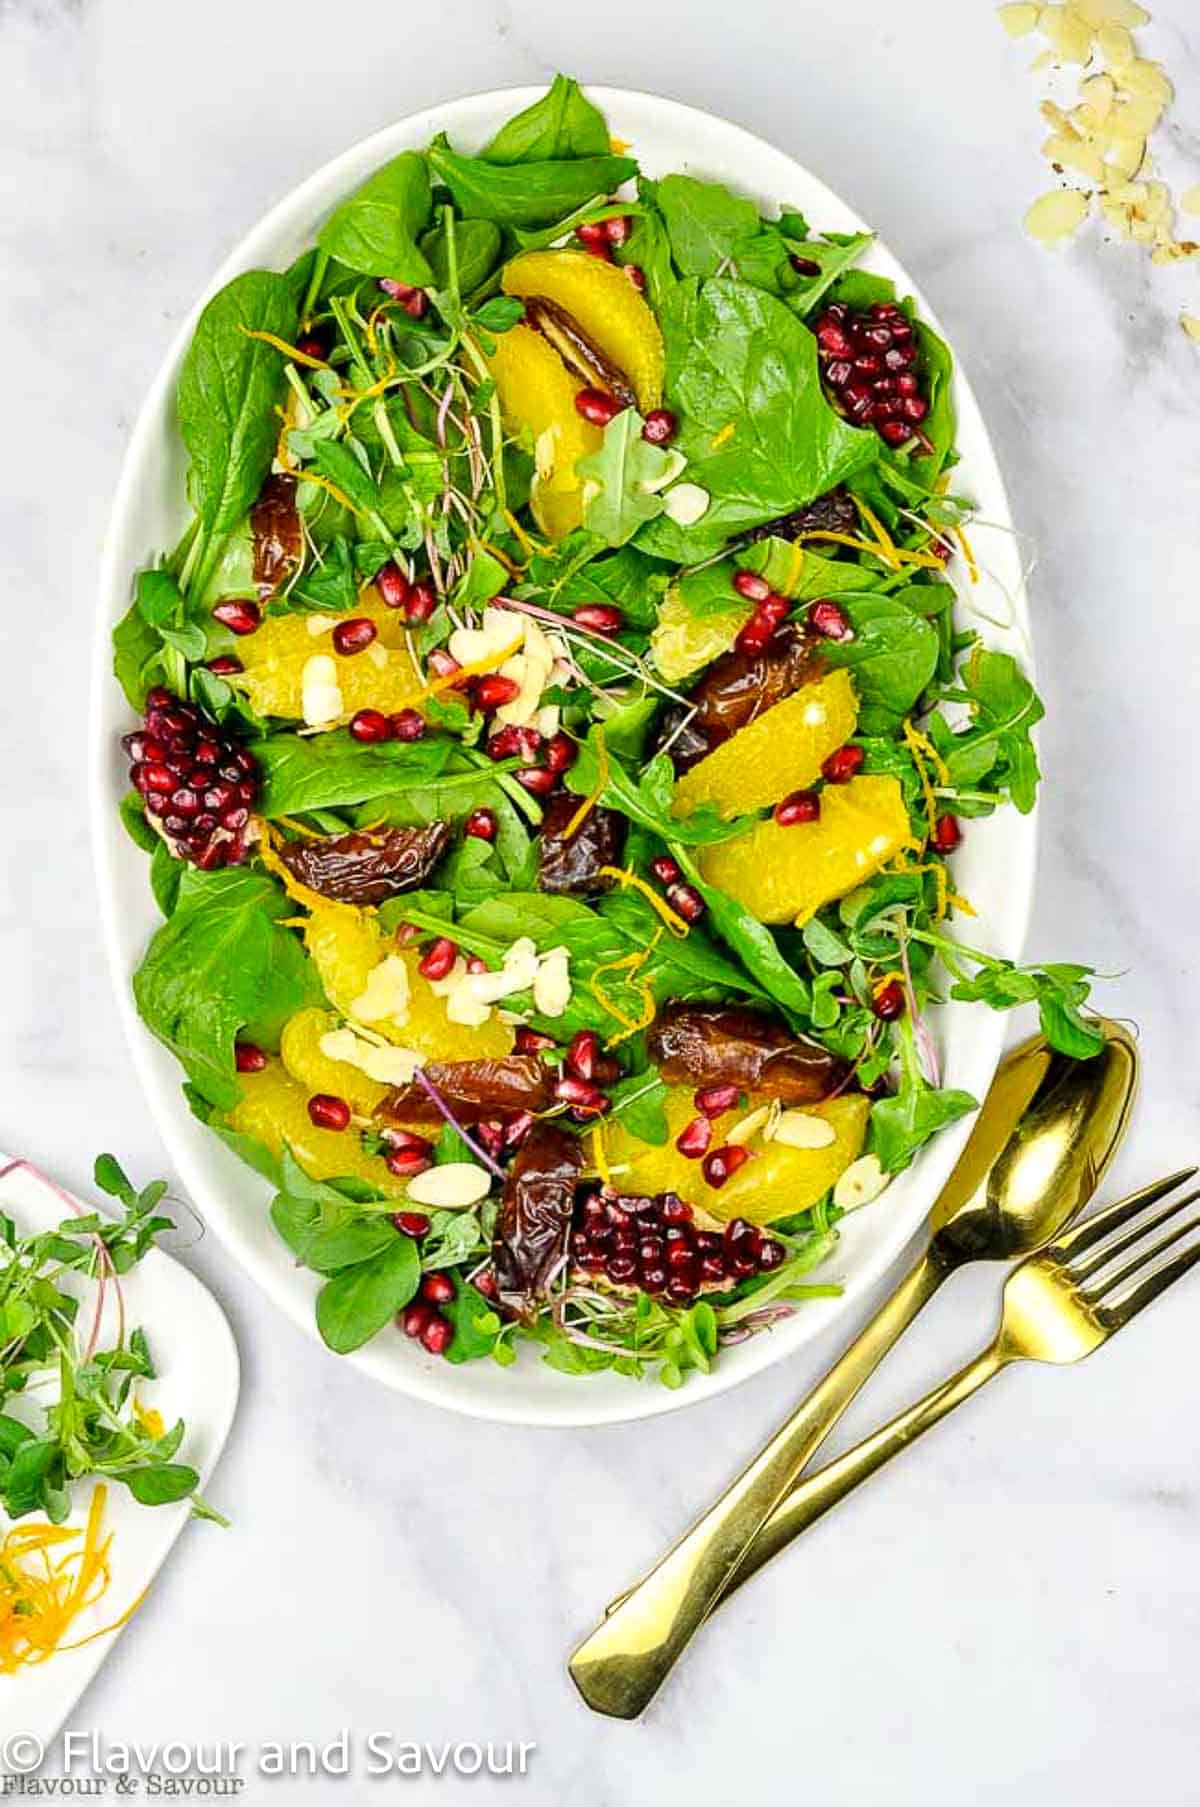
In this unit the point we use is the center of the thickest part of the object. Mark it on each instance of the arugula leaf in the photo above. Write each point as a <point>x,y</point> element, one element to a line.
<point>647,799</point>
<point>704,222</point>
<point>739,359</point>
<point>328,771</point>
<point>222,963</point>
<point>324,1230</point>
<point>525,194</point>
<point>228,388</point>
<point>375,229</point>
<point>358,1302</point>
<point>1058,989</point>
<point>997,749</point>
<point>621,480</point>
<point>563,123</point>
<point>901,1125</point>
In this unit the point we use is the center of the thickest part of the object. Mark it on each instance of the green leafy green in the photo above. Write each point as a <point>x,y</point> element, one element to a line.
<point>893,656</point>
<point>328,771</point>
<point>704,222</point>
<point>358,1301</point>
<point>648,798</point>
<point>751,940</point>
<point>375,229</point>
<point>528,193</point>
<point>622,480</point>
<point>997,750</point>
<point>903,1123</point>
<point>563,123</point>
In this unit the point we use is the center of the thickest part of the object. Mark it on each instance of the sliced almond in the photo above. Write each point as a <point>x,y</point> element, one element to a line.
<point>1189,200</point>
<point>1098,93</point>
<point>1056,216</point>
<point>1148,80</point>
<point>1191,326</point>
<point>379,1061</point>
<point>320,624</point>
<point>320,693</point>
<point>386,993</point>
<point>552,985</point>
<point>686,504</point>
<point>801,1129</point>
<point>1116,47</point>
<point>1070,35</point>
<point>1115,12</point>
<point>454,1186</point>
<point>747,1127</point>
<point>861,1184</point>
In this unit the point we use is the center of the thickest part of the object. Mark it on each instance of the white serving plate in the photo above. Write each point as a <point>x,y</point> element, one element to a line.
<point>994,867</point>
<point>198,1378</point>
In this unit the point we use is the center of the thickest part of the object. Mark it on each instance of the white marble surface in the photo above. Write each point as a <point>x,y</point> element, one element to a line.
<point>1017,1608</point>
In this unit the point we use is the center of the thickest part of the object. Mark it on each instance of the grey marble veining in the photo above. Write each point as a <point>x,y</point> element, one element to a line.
<point>1017,1609</point>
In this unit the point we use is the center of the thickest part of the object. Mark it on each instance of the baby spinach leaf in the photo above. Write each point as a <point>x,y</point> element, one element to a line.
<point>756,428</point>
<point>618,479</point>
<point>219,964</point>
<point>647,799</point>
<point>639,1101</point>
<point>476,252</point>
<point>133,818</point>
<point>939,426</point>
<point>765,259</point>
<point>358,1302</point>
<point>704,221</point>
<point>525,194</point>
<point>375,229</point>
<point>228,388</point>
<point>563,123</point>
<point>338,463</point>
<point>649,246</point>
<point>893,657</point>
<point>137,650</point>
<point>330,584</point>
<point>165,874</point>
<point>328,771</point>
<point>751,940</point>
<point>324,1230</point>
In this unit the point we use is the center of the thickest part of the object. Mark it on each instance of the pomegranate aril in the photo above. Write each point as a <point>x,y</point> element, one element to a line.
<point>653,1277</point>
<point>560,753</point>
<point>635,274</point>
<point>686,901</point>
<point>665,869</point>
<point>493,690</point>
<point>894,432</point>
<point>481,825</point>
<point>532,1041</point>
<point>354,636</point>
<point>582,1052</point>
<point>420,604</point>
<point>592,232</point>
<point>477,964</point>
<point>225,665</point>
<point>723,1163</point>
<point>906,384</point>
<point>694,1138</point>
<point>830,619</point>
<point>621,1267</point>
<point>406,1163</point>
<point>599,248</point>
<point>538,780</point>
<point>438,1334</point>
<point>327,1112</point>
<point>756,636</point>
<point>617,230</point>
<point>832,340</point>
<point>406,1138</point>
<point>517,1129</point>
<point>889,1001</point>
<point>659,427</point>
<point>674,1210</point>
<point>739,1234</point>
<point>485,1283</point>
<point>581,1096</point>
<point>715,1100</point>
<point>411,1223</point>
<point>437,1288</point>
<point>712,1268</point>
<point>155,778</point>
<point>799,806</point>
<point>842,765</point>
<point>443,664</point>
<point>438,959</point>
<point>369,725</point>
<point>406,724</point>
<point>392,585</point>
<point>947,833</point>
<point>239,617</point>
<point>599,617</point>
<point>597,407</point>
<point>914,408</point>
<point>414,1318</point>
<point>838,372</point>
<point>771,1255</point>
<point>247,1058</point>
<point>751,585</point>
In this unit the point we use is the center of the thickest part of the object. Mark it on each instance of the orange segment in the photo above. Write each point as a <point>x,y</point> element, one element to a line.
<point>781,751</point>
<point>786,874</point>
<point>601,298</point>
<point>274,1109</point>
<point>346,945</point>
<point>537,394</point>
<point>775,1182</point>
<point>382,676</point>
<point>682,642</point>
<point>300,1052</point>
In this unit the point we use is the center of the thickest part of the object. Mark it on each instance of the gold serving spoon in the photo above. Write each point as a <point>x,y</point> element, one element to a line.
<point>1043,1138</point>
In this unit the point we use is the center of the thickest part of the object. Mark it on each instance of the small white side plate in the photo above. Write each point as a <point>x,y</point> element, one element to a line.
<point>198,1378</point>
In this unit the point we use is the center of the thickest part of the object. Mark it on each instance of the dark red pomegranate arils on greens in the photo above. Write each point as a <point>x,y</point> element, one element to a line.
<point>198,784</point>
<point>652,1244</point>
<point>869,358</point>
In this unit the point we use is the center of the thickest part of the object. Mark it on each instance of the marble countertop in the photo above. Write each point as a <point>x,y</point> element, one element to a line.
<point>1016,1611</point>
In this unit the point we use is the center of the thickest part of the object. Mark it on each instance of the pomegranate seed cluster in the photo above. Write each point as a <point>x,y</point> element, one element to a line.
<point>652,1244</point>
<point>196,782</point>
<point>868,361</point>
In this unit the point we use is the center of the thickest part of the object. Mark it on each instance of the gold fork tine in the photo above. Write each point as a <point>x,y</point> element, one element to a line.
<point>1119,1313</point>
<point>1094,1229</point>
<point>1138,1232</point>
<point>1109,1283</point>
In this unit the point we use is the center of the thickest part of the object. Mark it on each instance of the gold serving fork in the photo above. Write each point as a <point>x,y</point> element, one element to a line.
<point>1060,1303</point>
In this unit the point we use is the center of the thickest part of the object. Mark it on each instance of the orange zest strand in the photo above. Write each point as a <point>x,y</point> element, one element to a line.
<point>599,1157</point>
<point>289,351</point>
<point>675,923</point>
<point>298,892</point>
<point>310,476</point>
<point>49,1574</point>
<point>355,396</point>
<point>922,749</point>
<point>529,545</point>
<point>472,669</point>
<point>969,554</point>
<point>896,557</point>
<point>628,964</point>
<point>590,801</point>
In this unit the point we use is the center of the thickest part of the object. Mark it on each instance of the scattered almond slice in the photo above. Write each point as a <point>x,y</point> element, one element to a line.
<point>1149,80</point>
<point>801,1129</point>
<point>747,1127</point>
<point>1115,12</point>
<point>1056,216</point>
<point>862,1182</point>
<point>1116,47</point>
<point>1189,200</point>
<point>1070,36</point>
<point>1017,19</point>
<point>1191,326</point>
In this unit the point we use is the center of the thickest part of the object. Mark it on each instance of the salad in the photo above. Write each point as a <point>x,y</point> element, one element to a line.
<point>557,726</point>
